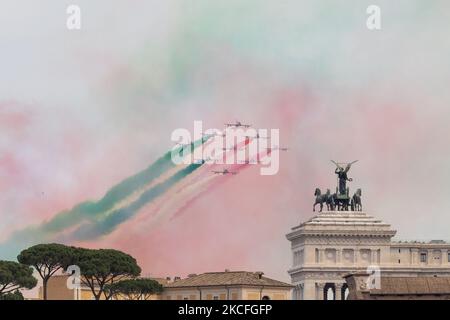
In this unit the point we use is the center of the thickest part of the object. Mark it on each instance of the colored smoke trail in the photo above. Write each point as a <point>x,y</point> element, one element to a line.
<point>87,213</point>
<point>173,190</point>
<point>168,208</point>
<point>155,212</point>
<point>164,188</point>
<point>109,223</point>
<point>163,208</point>
<point>212,184</point>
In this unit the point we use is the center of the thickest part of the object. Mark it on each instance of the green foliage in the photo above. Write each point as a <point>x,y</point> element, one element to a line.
<point>98,267</point>
<point>47,259</point>
<point>16,295</point>
<point>15,276</point>
<point>51,256</point>
<point>104,266</point>
<point>135,289</point>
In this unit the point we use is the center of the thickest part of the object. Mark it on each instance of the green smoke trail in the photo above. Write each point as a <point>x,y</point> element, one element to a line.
<point>92,210</point>
<point>111,221</point>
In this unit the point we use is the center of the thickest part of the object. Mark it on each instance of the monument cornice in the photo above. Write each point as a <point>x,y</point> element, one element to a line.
<point>341,233</point>
<point>383,268</point>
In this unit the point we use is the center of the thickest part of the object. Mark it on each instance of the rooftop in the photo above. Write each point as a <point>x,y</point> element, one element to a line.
<point>342,223</point>
<point>352,218</point>
<point>413,285</point>
<point>227,278</point>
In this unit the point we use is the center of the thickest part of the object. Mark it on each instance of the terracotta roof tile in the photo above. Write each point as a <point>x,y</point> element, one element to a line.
<point>413,285</point>
<point>228,278</point>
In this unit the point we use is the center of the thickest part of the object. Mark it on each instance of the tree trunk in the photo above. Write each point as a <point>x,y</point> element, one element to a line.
<point>44,288</point>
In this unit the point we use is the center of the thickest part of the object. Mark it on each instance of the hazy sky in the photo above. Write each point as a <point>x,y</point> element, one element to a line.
<point>82,110</point>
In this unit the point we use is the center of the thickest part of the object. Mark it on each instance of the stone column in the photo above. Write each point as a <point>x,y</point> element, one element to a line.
<point>415,259</point>
<point>444,257</point>
<point>337,291</point>
<point>319,290</point>
<point>373,256</point>
<point>321,255</point>
<point>338,256</point>
<point>309,290</point>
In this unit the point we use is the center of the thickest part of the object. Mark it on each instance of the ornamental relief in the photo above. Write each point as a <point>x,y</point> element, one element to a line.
<point>346,241</point>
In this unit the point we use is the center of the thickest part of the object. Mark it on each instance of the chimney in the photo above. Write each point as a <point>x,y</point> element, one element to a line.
<point>176,279</point>
<point>259,274</point>
<point>168,279</point>
<point>227,270</point>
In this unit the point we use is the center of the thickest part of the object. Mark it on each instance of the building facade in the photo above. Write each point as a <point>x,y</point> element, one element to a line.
<point>333,244</point>
<point>398,288</point>
<point>57,289</point>
<point>227,285</point>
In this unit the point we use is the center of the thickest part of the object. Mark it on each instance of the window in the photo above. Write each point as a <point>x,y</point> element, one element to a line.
<point>298,257</point>
<point>345,295</point>
<point>215,297</point>
<point>330,294</point>
<point>448,256</point>
<point>423,257</point>
<point>185,298</point>
<point>398,260</point>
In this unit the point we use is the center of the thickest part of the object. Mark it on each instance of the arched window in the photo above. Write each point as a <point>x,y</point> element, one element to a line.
<point>265,298</point>
<point>330,294</point>
<point>329,291</point>
<point>344,292</point>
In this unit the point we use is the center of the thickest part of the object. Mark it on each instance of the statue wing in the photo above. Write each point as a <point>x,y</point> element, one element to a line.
<point>350,165</point>
<point>337,165</point>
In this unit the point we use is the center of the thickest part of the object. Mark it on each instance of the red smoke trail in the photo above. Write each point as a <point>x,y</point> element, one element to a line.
<point>215,183</point>
<point>158,209</point>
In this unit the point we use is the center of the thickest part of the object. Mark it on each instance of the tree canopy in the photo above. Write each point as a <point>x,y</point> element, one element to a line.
<point>47,259</point>
<point>16,295</point>
<point>103,267</point>
<point>98,268</point>
<point>14,276</point>
<point>134,289</point>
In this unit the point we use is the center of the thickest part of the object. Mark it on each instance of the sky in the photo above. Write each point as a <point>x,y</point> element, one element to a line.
<point>82,110</point>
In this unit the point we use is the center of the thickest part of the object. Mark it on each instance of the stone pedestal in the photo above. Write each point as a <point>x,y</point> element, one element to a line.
<point>334,244</point>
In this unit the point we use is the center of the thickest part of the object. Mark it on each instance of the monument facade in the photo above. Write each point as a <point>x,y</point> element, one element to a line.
<point>341,240</point>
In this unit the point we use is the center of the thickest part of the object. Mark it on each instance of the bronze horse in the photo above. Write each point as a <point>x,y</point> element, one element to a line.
<point>321,198</point>
<point>340,202</point>
<point>356,201</point>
